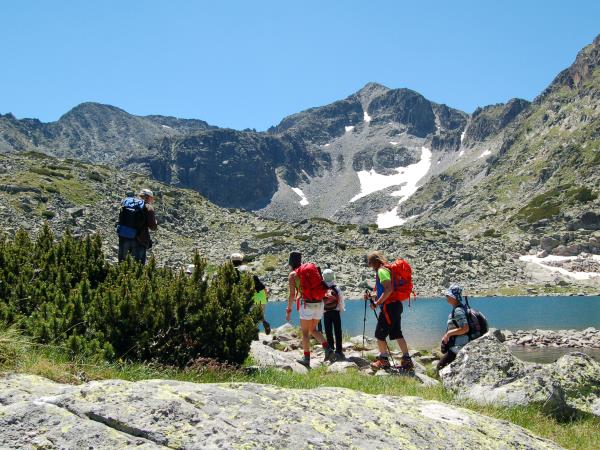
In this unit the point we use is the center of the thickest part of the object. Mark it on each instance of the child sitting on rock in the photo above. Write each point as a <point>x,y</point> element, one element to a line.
<point>334,305</point>
<point>457,328</point>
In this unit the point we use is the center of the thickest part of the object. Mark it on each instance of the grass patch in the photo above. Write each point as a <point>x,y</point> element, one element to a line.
<point>322,220</point>
<point>49,173</point>
<point>269,234</point>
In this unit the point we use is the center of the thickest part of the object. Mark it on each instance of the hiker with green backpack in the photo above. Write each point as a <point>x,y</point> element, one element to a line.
<point>261,292</point>
<point>307,289</point>
<point>393,285</point>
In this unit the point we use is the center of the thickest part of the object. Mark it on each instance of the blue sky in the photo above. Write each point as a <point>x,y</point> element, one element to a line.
<point>250,63</point>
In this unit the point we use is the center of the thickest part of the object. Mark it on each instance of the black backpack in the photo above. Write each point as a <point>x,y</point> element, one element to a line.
<point>478,324</point>
<point>132,217</point>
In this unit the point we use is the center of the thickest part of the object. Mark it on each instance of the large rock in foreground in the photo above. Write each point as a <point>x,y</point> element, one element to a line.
<point>485,371</point>
<point>172,414</point>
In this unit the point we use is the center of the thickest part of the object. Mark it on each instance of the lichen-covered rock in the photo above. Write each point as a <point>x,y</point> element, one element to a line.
<point>155,413</point>
<point>486,372</point>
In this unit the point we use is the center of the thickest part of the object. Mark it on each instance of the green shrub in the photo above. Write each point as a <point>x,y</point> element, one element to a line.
<point>64,292</point>
<point>583,194</point>
<point>95,176</point>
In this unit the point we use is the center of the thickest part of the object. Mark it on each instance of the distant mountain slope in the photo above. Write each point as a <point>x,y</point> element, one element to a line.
<point>385,156</point>
<point>92,132</point>
<point>540,173</point>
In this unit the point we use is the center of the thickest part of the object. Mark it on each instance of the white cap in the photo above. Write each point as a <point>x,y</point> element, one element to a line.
<point>328,276</point>
<point>190,269</point>
<point>147,192</point>
<point>237,257</point>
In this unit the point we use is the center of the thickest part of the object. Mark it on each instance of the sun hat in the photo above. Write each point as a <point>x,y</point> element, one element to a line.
<point>328,276</point>
<point>147,192</point>
<point>190,269</point>
<point>454,291</point>
<point>237,257</point>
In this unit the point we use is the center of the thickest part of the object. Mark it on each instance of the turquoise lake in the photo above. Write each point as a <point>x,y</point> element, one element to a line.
<point>424,322</point>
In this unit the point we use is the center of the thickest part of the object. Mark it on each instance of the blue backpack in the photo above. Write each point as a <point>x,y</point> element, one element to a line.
<point>132,217</point>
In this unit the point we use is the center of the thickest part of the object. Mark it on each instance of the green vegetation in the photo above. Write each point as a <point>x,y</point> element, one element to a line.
<point>18,354</point>
<point>543,206</point>
<point>268,234</point>
<point>49,173</point>
<point>48,214</point>
<point>64,293</point>
<point>322,220</point>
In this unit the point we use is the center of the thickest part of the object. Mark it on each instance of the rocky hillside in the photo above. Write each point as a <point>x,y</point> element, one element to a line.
<point>534,174</point>
<point>68,194</point>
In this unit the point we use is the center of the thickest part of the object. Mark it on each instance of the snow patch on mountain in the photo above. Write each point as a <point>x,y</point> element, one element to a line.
<point>394,143</point>
<point>542,262</point>
<point>484,154</point>
<point>391,219</point>
<point>407,177</point>
<point>303,199</point>
<point>349,128</point>
<point>366,117</point>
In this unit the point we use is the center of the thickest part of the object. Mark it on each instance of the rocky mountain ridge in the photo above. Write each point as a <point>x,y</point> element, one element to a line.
<point>85,198</point>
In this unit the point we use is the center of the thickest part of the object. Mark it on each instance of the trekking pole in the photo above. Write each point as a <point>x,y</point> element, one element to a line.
<point>386,343</point>
<point>364,327</point>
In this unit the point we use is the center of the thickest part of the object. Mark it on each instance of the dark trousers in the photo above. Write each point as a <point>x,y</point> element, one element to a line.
<point>448,357</point>
<point>133,247</point>
<point>333,323</point>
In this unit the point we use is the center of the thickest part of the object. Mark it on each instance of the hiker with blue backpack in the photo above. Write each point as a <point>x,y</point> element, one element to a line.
<point>464,324</point>
<point>136,219</point>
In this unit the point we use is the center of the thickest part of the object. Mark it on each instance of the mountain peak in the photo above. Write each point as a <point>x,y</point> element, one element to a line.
<point>583,69</point>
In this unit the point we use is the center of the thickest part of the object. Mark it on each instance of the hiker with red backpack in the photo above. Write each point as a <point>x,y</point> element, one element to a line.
<point>393,285</point>
<point>307,289</point>
<point>136,218</point>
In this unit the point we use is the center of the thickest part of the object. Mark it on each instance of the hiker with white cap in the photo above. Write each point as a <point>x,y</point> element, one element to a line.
<point>136,219</point>
<point>333,304</point>
<point>457,328</point>
<point>261,291</point>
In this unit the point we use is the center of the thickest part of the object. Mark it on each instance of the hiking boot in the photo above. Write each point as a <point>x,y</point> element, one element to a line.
<point>406,363</point>
<point>305,361</point>
<point>380,363</point>
<point>339,356</point>
<point>267,327</point>
<point>329,355</point>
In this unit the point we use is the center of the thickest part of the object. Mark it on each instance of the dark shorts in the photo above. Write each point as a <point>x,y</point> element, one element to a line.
<point>390,324</point>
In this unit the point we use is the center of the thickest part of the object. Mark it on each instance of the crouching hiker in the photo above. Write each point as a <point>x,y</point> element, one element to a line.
<point>393,285</point>
<point>457,328</point>
<point>307,289</point>
<point>333,304</point>
<point>260,290</point>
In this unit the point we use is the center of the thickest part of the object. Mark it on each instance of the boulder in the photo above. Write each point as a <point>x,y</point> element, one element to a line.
<point>156,413</point>
<point>486,372</point>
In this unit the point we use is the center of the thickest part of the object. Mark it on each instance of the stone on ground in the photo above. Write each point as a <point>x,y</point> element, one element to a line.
<point>486,372</point>
<point>156,413</point>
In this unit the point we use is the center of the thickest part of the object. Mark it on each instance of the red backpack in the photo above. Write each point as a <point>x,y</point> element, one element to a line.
<point>401,281</point>
<point>312,286</point>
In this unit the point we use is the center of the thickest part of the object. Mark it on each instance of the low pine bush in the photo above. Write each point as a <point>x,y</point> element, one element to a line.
<point>63,292</point>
